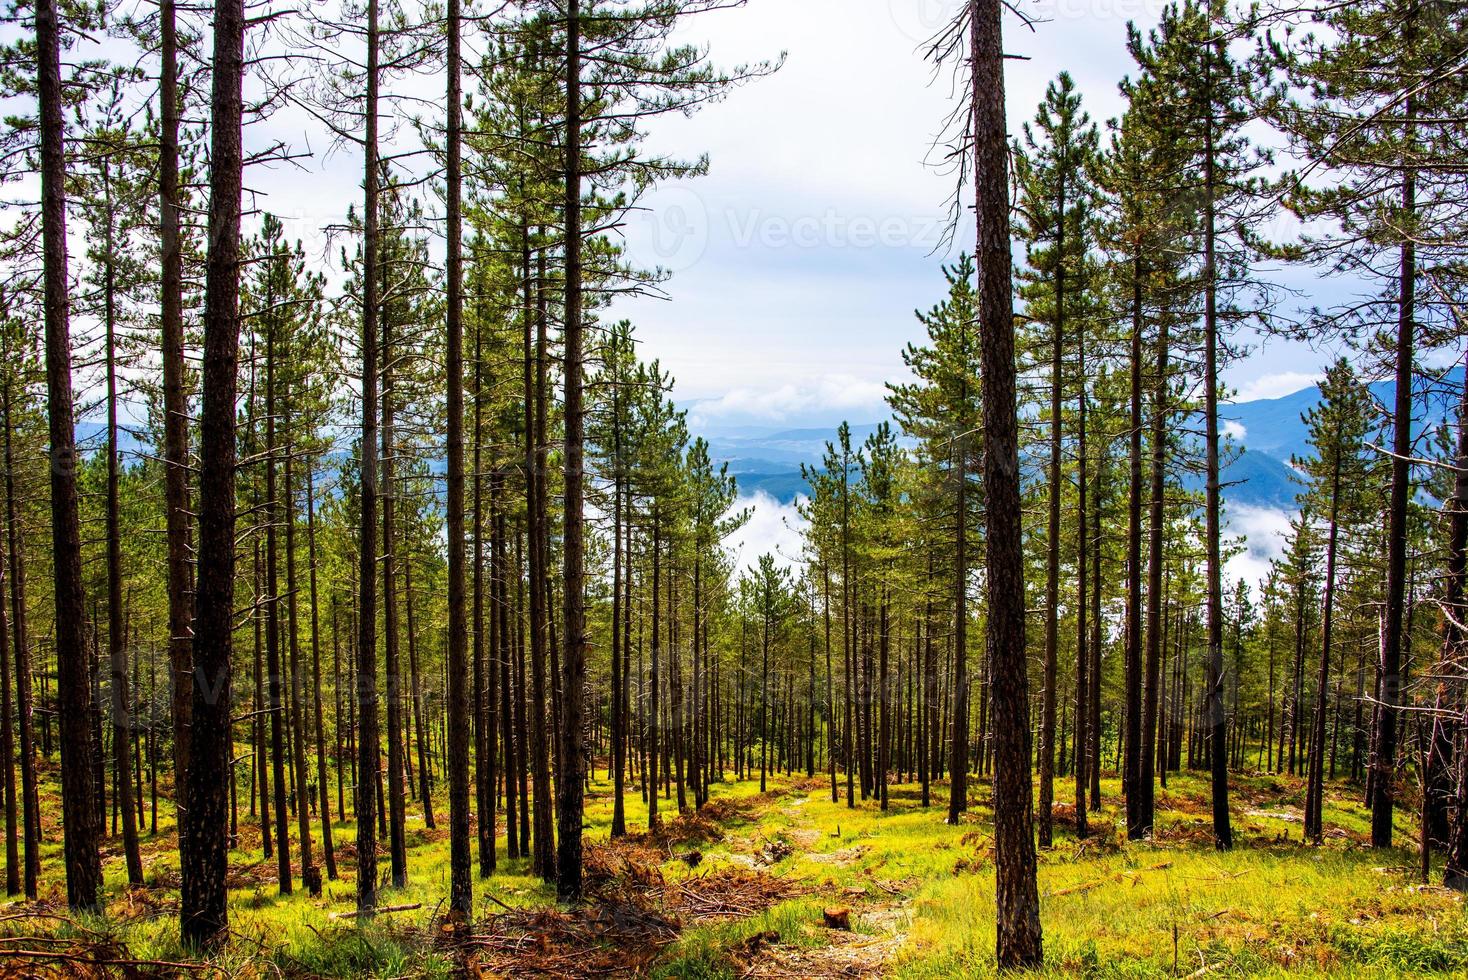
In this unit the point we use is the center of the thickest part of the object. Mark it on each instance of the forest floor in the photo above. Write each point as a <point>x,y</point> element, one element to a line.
<point>744,888</point>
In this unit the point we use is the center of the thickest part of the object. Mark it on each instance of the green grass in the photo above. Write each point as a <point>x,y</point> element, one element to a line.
<point>921,893</point>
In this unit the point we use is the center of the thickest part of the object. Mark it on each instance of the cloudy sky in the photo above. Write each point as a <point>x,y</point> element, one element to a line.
<point>798,261</point>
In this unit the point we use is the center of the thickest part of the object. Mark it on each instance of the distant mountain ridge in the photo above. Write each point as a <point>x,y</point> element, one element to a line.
<point>1268,434</point>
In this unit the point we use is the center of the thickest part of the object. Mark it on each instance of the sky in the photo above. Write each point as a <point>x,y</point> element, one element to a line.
<point>798,261</point>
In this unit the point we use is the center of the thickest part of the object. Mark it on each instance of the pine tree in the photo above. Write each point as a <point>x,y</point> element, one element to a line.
<point>1053,173</point>
<point>1338,472</point>
<point>942,408</point>
<point>83,865</point>
<point>1367,111</point>
<point>203,914</point>
<point>1016,896</point>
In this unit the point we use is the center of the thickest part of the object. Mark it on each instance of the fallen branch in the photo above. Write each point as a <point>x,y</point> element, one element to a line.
<point>39,954</point>
<point>385,910</point>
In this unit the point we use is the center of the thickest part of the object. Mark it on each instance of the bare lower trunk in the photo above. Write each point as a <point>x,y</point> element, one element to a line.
<point>1018,942</point>
<point>573,617</point>
<point>461,894</point>
<point>206,818</point>
<point>366,667</point>
<point>78,799</point>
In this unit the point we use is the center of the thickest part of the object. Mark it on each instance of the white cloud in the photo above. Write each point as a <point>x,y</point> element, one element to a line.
<point>1265,530</point>
<point>1276,385</point>
<point>773,528</point>
<point>1234,430</point>
<point>792,399</point>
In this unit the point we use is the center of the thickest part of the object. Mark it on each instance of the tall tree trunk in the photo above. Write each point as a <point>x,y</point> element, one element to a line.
<point>619,651</point>
<point>461,885</point>
<point>1217,714</point>
<point>175,401</point>
<point>274,679</point>
<point>78,799</point>
<point>310,875</point>
<point>1082,709</point>
<point>958,741</point>
<point>486,659</point>
<point>830,691</point>
<point>18,624</point>
<point>653,704</point>
<point>328,851</point>
<point>1017,901</point>
<point>396,788</point>
<point>1455,868</point>
<point>366,803</point>
<point>847,639</point>
<point>1315,779</point>
<point>116,633</point>
<point>1052,542</point>
<point>573,663</point>
<point>415,691</point>
<point>1156,592</point>
<point>203,914</point>
<point>1132,736</point>
<point>535,700</point>
<point>505,657</point>
<point>884,707</point>
<point>1094,701</point>
<point>1384,754</point>
<point>7,749</point>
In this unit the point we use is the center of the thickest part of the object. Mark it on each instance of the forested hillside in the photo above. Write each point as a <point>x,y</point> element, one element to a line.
<point>370,605</point>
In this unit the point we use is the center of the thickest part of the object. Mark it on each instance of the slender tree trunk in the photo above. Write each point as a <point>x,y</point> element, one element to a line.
<point>1132,736</point>
<point>651,707</point>
<point>1455,868</point>
<point>366,802</point>
<point>1094,702</point>
<point>175,401</point>
<point>328,851</point>
<point>7,750</point>
<point>116,633</point>
<point>272,620</point>
<point>420,730</point>
<point>1384,754</point>
<point>1156,591</point>
<point>958,741</point>
<point>884,705</point>
<point>542,846</point>
<point>396,788</point>
<point>1217,714</point>
<point>78,799</point>
<point>1052,541</point>
<point>310,874</point>
<point>1017,900</point>
<point>1315,780</point>
<point>486,647</point>
<point>830,692</point>
<point>205,826</point>
<point>847,637</point>
<point>619,650</point>
<point>1083,655</point>
<point>461,885</point>
<point>18,624</point>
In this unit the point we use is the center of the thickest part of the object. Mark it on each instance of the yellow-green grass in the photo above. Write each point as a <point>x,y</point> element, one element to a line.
<point>921,892</point>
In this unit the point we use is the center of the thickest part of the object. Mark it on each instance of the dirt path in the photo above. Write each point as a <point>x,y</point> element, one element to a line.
<point>878,912</point>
